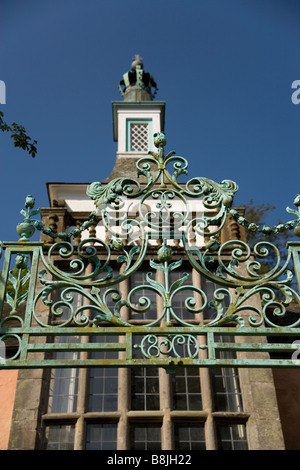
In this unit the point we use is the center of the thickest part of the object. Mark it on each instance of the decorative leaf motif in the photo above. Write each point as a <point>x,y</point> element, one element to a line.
<point>178,171</point>
<point>232,264</point>
<point>144,171</point>
<point>34,212</point>
<point>228,317</point>
<point>103,195</point>
<point>153,283</point>
<point>292,211</point>
<point>128,257</point>
<point>175,265</point>
<point>22,298</point>
<point>118,306</point>
<point>179,282</point>
<point>9,299</point>
<point>288,294</point>
<point>155,265</point>
<point>12,278</point>
<point>25,278</point>
<point>16,288</point>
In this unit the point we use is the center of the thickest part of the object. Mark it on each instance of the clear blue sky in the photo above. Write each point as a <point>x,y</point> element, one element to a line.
<point>224,68</point>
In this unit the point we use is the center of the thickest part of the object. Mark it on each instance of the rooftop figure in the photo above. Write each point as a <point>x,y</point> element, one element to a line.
<point>137,84</point>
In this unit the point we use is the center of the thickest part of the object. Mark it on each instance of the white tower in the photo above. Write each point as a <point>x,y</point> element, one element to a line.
<point>136,118</point>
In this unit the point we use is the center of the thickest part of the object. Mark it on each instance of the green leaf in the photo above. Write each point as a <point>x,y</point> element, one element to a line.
<point>178,283</point>
<point>155,265</point>
<point>175,265</point>
<point>25,278</point>
<point>9,299</point>
<point>34,212</point>
<point>153,283</point>
<point>22,298</point>
<point>12,278</point>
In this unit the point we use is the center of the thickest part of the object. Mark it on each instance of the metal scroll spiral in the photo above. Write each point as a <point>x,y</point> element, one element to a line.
<point>173,345</point>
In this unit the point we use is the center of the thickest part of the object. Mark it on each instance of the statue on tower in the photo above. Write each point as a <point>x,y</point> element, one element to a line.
<point>137,83</point>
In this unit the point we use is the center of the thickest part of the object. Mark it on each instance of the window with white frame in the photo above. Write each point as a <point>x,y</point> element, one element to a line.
<point>138,135</point>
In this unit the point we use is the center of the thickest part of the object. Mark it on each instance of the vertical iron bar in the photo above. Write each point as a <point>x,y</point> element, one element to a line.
<point>4,277</point>
<point>295,249</point>
<point>211,345</point>
<point>34,252</point>
<point>128,346</point>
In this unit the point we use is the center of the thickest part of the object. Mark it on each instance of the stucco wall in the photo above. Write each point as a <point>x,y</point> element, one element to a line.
<point>8,381</point>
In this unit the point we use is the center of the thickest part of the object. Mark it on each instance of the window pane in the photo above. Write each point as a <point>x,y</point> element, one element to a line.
<point>103,393</point>
<point>144,389</point>
<point>186,389</point>
<point>227,393</point>
<point>145,437</point>
<point>60,437</point>
<point>63,391</point>
<point>101,437</point>
<point>189,437</point>
<point>64,382</point>
<point>226,384</point>
<point>139,137</point>
<point>232,437</point>
<point>103,386</point>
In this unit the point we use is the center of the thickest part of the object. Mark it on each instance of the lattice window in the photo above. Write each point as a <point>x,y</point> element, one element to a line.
<point>101,436</point>
<point>232,437</point>
<point>226,385</point>
<point>145,437</point>
<point>63,389</point>
<point>103,388</point>
<point>144,388</point>
<point>139,137</point>
<point>60,437</point>
<point>186,389</point>
<point>189,437</point>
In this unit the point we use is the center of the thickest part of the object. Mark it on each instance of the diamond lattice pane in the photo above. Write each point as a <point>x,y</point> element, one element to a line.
<point>139,137</point>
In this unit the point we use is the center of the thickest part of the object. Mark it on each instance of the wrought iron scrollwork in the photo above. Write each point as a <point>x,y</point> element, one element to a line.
<point>233,266</point>
<point>158,214</point>
<point>179,346</point>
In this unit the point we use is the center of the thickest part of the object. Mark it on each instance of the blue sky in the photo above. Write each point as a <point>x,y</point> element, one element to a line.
<point>224,67</point>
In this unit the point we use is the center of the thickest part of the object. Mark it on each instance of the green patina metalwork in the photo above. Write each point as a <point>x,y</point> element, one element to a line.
<point>249,304</point>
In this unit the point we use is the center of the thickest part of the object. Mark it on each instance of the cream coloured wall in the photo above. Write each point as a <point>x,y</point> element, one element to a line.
<point>8,383</point>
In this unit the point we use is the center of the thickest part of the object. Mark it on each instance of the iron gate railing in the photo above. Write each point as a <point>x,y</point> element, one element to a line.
<point>69,290</point>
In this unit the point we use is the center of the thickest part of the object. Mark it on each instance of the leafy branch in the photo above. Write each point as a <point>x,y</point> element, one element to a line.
<point>21,139</point>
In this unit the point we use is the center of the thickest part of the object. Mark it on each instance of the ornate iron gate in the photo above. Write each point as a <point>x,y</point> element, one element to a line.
<point>169,225</point>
